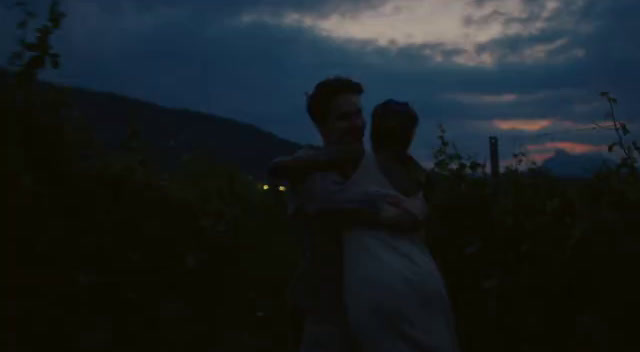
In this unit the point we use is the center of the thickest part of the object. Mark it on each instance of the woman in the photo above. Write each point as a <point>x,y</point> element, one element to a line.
<point>393,293</point>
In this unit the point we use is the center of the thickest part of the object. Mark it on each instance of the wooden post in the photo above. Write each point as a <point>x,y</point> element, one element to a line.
<point>495,160</point>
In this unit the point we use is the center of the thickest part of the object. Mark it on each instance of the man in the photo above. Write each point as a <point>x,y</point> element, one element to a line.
<point>336,110</point>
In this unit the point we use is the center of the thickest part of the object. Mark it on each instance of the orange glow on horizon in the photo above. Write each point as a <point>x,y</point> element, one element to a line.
<point>524,125</point>
<point>538,157</point>
<point>541,157</point>
<point>534,125</point>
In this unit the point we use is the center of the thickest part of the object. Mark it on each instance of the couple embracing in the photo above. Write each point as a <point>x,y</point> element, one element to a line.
<point>367,281</point>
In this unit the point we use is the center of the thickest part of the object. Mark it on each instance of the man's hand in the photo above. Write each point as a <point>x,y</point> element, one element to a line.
<point>396,215</point>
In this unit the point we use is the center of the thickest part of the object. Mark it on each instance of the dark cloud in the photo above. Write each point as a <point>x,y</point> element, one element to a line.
<point>485,19</point>
<point>223,8</point>
<point>183,54</point>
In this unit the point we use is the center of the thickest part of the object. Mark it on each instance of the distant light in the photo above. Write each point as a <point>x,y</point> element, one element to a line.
<point>282,188</point>
<point>265,187</point>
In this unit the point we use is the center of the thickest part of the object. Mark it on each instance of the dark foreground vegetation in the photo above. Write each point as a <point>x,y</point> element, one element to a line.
<point>105,254</point>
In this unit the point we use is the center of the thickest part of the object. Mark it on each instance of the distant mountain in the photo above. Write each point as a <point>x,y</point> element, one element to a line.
<point>564,164</point>
<point>170,134</point>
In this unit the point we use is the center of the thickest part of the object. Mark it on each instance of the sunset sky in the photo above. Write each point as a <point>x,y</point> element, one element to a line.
<point>518,69</point>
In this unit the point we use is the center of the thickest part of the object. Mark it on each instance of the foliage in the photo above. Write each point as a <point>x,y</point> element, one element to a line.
<point>106,254</point>
<point>630,151</point>
<point>537,262</point>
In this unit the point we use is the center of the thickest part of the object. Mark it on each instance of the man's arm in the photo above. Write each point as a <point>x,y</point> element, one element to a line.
<point>376,215</point>
<point>310,159</point>
<point>323,195</point>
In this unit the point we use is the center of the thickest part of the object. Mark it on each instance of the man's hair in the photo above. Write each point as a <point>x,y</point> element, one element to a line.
<point>319,101</point>
<point>391,125</point>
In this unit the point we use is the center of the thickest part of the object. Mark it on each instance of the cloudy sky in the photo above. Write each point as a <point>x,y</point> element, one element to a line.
<point>527,71</point>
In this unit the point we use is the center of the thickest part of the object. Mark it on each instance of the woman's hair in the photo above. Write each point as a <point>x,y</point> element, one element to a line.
<point>392,125</point>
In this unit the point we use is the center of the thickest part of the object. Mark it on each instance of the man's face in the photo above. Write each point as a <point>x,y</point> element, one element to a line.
<point>344,124</point>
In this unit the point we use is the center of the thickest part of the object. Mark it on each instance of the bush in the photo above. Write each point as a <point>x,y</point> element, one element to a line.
<point>106,254</point>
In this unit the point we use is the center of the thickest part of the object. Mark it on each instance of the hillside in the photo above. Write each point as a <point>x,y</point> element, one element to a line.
<point>566,165</point>
<point>167,135</point>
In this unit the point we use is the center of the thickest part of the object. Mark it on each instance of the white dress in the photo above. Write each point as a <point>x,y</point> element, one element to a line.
<point>393,292</point>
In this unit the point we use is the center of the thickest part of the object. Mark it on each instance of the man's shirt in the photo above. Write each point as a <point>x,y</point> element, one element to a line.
<point>317,287</point>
